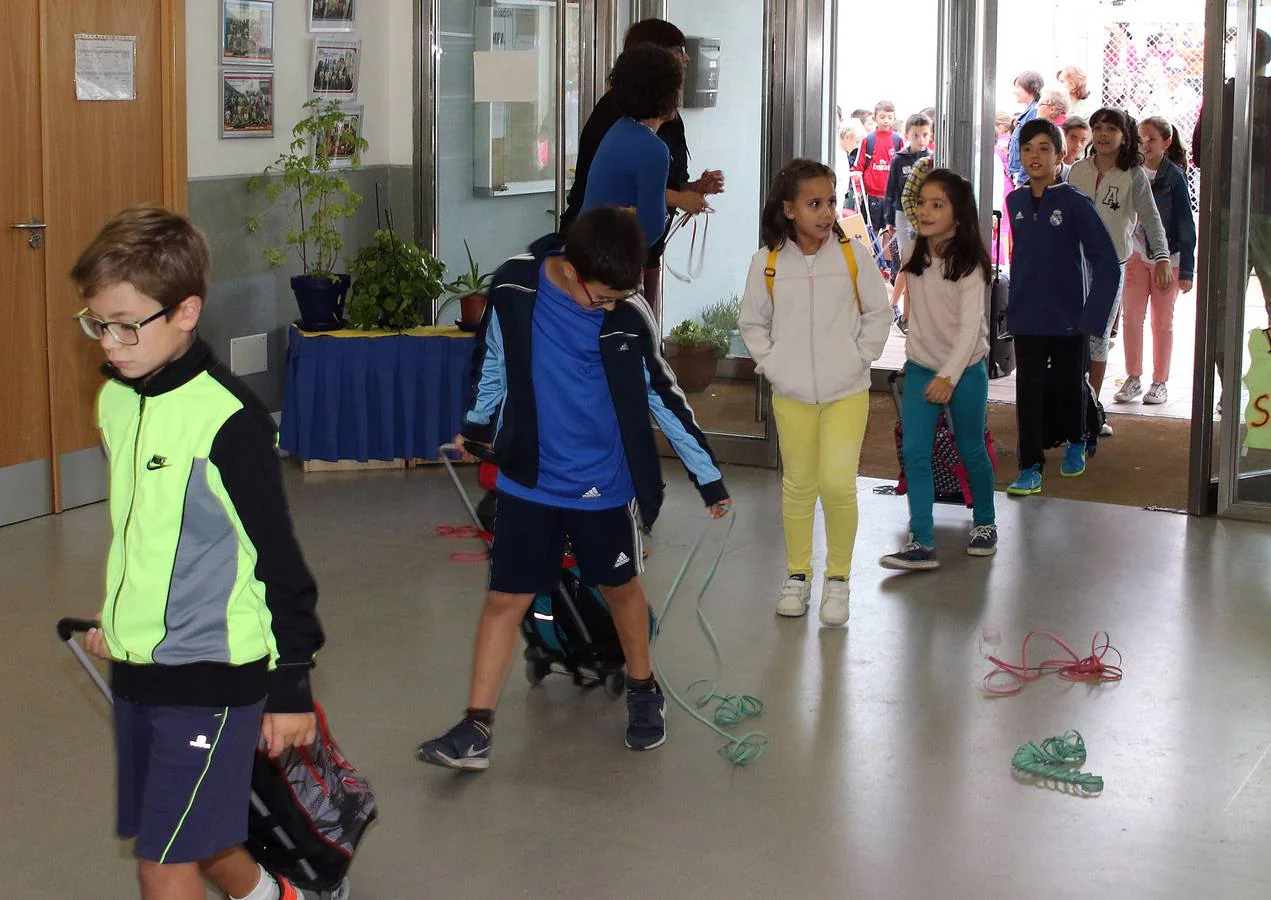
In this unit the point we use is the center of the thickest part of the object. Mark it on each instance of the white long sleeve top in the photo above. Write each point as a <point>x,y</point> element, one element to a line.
<point>948,329</point>
<point>1123,199</point>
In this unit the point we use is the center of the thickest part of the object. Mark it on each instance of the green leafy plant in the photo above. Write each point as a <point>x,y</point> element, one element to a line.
<point>394,283</point>
<point>694,334</point>
<point>315,197</point>
<point>723,314</point>
<point>474,281</point>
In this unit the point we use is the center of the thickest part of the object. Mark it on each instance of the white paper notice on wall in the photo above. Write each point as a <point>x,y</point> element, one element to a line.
<point>504,76</point>
<point>105,67</point>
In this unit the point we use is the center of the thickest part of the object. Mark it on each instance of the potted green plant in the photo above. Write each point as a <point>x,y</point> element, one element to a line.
<point>723,315</point>
<point>316,199</point>
<point>693,350</point>
<point>394,283</point>
<point>470,288</point>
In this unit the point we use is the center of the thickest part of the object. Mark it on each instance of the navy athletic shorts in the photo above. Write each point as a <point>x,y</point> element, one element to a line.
<point>529,540</point>
<point>185,776</point>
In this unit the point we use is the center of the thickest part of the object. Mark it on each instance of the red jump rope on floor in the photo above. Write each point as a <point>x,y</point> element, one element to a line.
<point>1092,668</point>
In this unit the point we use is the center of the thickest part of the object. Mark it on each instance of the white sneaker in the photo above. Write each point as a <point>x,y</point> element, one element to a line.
<point>835,596</point>
<point>1157,393</point>
<point>1131,389</point>
<point>796,595</point>
<point>1106,430</point>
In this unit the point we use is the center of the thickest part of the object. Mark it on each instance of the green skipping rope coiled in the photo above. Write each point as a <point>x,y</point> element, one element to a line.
<point>1048,759</point>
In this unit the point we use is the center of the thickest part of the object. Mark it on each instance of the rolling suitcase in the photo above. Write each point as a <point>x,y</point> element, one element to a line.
<point>947,471</point>
<point>569,631</point>
<point>309,808</point>
<point>1001,343</point>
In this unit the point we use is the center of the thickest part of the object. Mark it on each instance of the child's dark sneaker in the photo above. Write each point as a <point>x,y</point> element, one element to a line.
<point>913,557</point>
<point>465,747</point>
<point>1074,463</point>
<point>983,541</point>
<point>646,719</point>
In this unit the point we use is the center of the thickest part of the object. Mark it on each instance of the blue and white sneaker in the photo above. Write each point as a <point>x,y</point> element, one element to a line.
<point>465,747</point>
<point>983,541</point>
<point>646,719</point>
<point>1074,463</point>
<point>912,557</point>
<point>1028,482</point>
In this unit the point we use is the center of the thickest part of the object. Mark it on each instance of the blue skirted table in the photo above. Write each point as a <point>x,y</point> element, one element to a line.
<point>374,395</point>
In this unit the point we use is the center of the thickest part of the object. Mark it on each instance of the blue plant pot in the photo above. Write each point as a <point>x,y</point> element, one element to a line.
<point>321,301</point>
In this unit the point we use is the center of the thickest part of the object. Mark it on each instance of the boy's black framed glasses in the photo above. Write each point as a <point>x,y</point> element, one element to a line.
<point>121,332</point>
<point>596,302</point>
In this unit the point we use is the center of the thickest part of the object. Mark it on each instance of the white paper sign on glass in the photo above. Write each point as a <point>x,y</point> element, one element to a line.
<point>504,76</point>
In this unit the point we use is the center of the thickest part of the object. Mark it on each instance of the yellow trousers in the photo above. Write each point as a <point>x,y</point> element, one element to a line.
<point>820,452</point>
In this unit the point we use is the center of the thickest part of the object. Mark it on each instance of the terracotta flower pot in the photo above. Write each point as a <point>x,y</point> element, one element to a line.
<point>471,309</point>
<point>694,367</point>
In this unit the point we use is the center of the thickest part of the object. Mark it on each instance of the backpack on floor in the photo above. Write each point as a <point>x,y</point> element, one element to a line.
<point>319,801</point>
<point>947,471</point>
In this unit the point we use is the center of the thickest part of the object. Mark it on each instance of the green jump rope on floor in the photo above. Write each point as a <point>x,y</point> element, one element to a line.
<point>729,709</point>
<point>1057,759</point>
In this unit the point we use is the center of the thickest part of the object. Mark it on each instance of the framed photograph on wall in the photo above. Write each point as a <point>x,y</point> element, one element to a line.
<point>340,144</point>
<point>334,67</point>
<point>247,32</point>
<point>247,104</point>
<point>332,15</point>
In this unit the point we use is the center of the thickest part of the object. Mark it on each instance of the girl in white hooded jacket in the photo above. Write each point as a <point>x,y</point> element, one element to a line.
<point>815,315</point>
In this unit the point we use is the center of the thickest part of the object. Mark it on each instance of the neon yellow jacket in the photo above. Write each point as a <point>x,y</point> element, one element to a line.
<point>208,598</point>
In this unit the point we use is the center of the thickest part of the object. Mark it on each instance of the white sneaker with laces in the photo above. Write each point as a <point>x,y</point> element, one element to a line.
<point>796,596</point>
<point>836,594</point>
<point>1157,393</point>
<point>1131,389</point>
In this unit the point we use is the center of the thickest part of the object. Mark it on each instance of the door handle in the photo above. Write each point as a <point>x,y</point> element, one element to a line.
<point>34,225</point>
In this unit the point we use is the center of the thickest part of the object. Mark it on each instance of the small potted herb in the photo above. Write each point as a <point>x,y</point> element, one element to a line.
<point>394,283</point>
<point>470,288</point>
<point>693,350</point>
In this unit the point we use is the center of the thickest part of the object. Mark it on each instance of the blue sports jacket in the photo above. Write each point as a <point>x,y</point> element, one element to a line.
<point>504,412</point>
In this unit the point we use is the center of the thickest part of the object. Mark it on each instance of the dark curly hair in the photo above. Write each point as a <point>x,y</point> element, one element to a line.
<point>965,251</point>
<point>775,228</point>
<point>1128,154</point>
<point>646,82</point>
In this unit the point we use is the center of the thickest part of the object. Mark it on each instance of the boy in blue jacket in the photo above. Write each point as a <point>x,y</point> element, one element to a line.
<point>567,371</point>
<point>1054,306</point>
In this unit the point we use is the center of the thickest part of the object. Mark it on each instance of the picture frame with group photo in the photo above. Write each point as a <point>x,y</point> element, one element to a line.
<point>333,69</point>
<point>247,103</point>
<point>247,33</point>
<point>340,145</point>
<point>332,15</point>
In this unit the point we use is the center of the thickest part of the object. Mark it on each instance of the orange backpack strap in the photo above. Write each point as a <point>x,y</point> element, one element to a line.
<point>770,272</point>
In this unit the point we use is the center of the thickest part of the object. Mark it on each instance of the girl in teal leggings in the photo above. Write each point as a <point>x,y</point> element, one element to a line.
<point>947,270</point>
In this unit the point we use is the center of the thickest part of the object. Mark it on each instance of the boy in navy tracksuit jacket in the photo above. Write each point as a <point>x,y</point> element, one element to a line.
<point>1054,304</point>
<point>566,373</point>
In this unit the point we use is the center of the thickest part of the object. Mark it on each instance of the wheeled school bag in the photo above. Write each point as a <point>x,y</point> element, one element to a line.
<point>1001,343</point>
<point>309,807</point>
<point>568,631</point>
<point>947,470</point>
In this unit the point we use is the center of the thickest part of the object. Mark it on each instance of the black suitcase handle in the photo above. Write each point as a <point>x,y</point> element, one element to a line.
<point>69,627</point>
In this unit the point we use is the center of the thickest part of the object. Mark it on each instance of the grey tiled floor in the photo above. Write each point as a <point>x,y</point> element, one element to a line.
<point>888,772</point>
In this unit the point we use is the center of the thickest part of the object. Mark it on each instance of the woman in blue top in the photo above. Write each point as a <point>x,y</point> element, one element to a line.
<point>632,163</point>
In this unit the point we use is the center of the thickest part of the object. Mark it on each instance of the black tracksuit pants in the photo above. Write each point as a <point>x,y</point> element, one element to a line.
<point>1044,397</point>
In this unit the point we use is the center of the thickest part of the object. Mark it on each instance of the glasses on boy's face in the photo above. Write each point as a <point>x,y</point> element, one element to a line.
<point>120,332</point>
<point>594,301</point>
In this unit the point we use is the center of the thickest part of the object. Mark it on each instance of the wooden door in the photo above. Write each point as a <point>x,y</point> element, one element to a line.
<point>102,157</point>
<point>25,444</point>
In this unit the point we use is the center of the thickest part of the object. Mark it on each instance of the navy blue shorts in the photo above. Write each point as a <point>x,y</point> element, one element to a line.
<point>529,540</point>
<point>185,777</point>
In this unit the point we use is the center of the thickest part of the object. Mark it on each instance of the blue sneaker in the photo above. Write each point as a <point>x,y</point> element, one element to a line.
<point>465,747</point>
<point>1074,463</point>
<point>912,557</point>
<point>1029,482</point>
<point>646,719</point>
